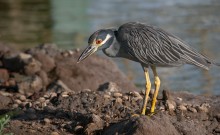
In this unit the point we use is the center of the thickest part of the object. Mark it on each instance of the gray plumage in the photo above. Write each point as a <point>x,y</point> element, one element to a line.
<point>150,45</point>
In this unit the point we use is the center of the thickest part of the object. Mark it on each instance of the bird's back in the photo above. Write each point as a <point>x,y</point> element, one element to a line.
<point>153,46</point>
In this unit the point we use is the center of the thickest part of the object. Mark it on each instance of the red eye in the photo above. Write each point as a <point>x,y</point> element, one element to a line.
<point>99,41</point>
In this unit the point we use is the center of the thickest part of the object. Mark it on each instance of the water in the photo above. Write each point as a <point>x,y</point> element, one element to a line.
<point>69,23</point>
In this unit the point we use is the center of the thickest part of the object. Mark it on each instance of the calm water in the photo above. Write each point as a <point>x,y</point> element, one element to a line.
<point>69,23</point>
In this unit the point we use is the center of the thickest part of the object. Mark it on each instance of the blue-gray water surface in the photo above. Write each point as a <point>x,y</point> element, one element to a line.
<point>69,23</point>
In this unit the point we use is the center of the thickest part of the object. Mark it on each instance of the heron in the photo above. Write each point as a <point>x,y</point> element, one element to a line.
<point>148,45</point>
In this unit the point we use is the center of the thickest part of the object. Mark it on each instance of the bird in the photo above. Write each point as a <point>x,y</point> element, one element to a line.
<point>148,45</point>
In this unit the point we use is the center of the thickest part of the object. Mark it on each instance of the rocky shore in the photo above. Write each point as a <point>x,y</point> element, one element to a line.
<point>49,94</point>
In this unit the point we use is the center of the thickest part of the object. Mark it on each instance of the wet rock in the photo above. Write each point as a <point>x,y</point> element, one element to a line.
<point>4,75</point>
<point>31,85</point>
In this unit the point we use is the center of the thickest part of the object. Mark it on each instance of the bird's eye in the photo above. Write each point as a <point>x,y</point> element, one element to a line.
<point>99,41</point>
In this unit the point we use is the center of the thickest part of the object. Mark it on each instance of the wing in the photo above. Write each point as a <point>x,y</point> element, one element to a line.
<point>154,46</point>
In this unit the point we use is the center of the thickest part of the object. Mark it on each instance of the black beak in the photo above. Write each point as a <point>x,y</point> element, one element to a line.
<point>87,52</point>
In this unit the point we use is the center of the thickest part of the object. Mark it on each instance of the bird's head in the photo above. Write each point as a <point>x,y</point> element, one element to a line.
<point>99,40</point>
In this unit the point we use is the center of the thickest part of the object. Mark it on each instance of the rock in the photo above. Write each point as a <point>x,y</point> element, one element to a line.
<point>96,124</point>
<point>4,75</point>
<point>170,105</point>
<point>47,61</point>
<point>125,97</point>
<point>65,94</point>
<point>182,108</point>
<point>78,128</point>
<point>17,101</point>
<point>22,98</point>
<point>41,99</point>
<point>191,109</point>
<point>43,75</point>
<point>118,100</point>
<point>15,106</point>
<point>47,121</point>
<point>180,99</point>
<point>13,62</point>
<point>218,117</point>
<point>143,125</point>
<point>117,94</point>
<point>4,102</point>
<point>59,87</point>
<point>109,86</point>
<point>31,85</point>
<point>203,108</point>
<point>107,96</point>
<point>54,133</point>
<point>32,67</point>
<point>136,94</point>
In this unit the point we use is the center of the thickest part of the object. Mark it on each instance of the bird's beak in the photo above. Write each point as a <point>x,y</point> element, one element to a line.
<point>87,52</point>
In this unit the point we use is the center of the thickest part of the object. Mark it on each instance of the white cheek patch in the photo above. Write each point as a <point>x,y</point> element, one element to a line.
<point>106,39</point>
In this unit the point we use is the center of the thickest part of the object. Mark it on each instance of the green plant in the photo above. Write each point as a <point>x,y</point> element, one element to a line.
<point>3,121</point>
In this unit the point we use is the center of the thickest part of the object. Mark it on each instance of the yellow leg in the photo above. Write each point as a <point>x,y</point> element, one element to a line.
<point>157,87</point>
<point>147,91</point>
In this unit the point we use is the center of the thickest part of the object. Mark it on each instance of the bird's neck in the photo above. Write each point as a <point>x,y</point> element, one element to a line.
<point>113,49</point>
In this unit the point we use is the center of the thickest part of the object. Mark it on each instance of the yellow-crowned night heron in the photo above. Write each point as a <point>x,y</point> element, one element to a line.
<point>148,45</point>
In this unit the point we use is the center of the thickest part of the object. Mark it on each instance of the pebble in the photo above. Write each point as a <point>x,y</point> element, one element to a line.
<point>118,100</point>
<point>22,98</point>
<point>107,96</point>
<point>180,99</point>
<point>52,95</point>
<point>86,90</point>
<point>77,128</point>
<point>125,97</point>
<point>191,109</point>
<point>17,101</point>
<point>47,121</point>
<point>54,133</point>
<point>42,99</point>
<point>182,108</point>
<point>136,94</point>
<point>15,106</point>
<point>65,94</point>
<point>117,94</point>
<point>170,105</point>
